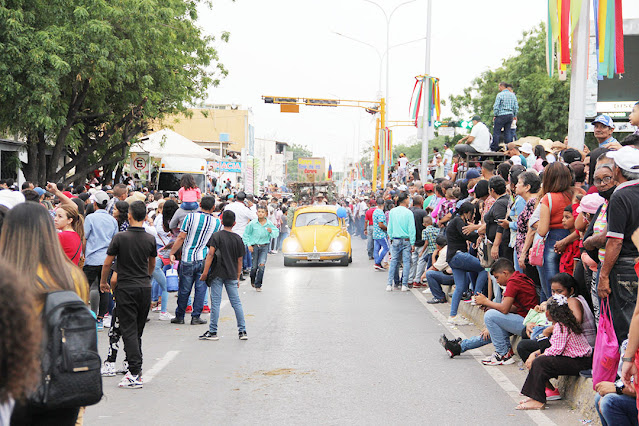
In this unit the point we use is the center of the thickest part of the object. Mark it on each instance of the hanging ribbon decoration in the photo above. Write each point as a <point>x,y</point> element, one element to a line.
<point>434,105</point>
<point>563,16</point>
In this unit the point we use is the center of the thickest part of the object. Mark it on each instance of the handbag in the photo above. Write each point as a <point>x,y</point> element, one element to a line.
<point>483,253</point>
<point>605,360</point>
<point>536,254</point>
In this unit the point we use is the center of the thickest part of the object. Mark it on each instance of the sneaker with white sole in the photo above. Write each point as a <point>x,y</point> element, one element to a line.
<point>165,316</point>
<point>108,369</point>
<point>404,288</point>
<point>457,320</point>
<point>496,359</point>
<point>389,288</point>
<point>129,381</point>
<point>124,369</point>
<point>158,308</point>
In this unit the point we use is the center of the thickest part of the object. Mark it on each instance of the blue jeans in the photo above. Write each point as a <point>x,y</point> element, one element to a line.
<point>160,278</point>
<point>260,254</point>
<point>501,121</point>
<point>473,343</point>
<point>551,258</point>
<point>247,260</point>
<point>369,243</point>
<point>379,250</point>
<point>435,281</point>
<point>234,298</point>
<point>281,238</point>
<point>189,275</point>
<point>501,326</point>
<point>192,205</point>
<point>617,410</point>
<point>461,263</point>
<point>362,226</point>
<point>399,248</point>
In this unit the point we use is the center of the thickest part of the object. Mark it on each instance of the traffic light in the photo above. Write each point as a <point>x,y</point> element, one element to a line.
<point>322,102</point>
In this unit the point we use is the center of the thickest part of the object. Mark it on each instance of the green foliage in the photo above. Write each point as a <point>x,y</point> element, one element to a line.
<point>413,150</point>
<point>543,101</point>
<point>83,78</point>
<point>291,166</point>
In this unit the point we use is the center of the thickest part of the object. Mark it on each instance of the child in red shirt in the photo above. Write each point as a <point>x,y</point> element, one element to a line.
<point>567,260</point>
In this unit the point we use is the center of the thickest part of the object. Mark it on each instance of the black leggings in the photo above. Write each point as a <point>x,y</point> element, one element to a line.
<point>25,414</point>
<point>546,367</point>
<point>528,346</point>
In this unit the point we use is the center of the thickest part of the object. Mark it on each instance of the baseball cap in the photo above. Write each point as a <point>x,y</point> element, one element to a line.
<point>241,196</point>
<point>472,174</point>
<point>626,158</point>
<point>516,160</point>
<point>605,120</point>
<point>68,194</point>
<point>402,188</point>
<point>571,155</point>
<point>99,197</point>
<point>429,187</point>
<point>10,199</point>
<point>590,203</point>
<point>476,118</point>
<point>526,148</point>
<point>481,189</point>
<point>39,190</point>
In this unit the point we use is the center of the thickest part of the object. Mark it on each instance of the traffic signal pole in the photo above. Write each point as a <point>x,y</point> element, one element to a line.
<point>382,110</point>
<point>376,154</point>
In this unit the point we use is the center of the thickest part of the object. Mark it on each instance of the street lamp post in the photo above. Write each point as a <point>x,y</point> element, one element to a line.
<point>425,126</point>
<point>388,156</point>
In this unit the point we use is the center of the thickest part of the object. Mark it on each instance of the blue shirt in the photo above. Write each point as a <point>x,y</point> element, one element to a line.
<point>505,103</point>
<point>256,233</point>
<point>99,229</point>
<point>378,216</point>
<point>607,141</point>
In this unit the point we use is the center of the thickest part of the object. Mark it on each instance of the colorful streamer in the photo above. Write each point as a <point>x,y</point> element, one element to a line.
<point>609,35</point>
<point>434,104</point>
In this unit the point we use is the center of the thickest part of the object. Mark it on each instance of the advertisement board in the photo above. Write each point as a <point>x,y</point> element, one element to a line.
<point>227,166</point>
<point>311,169</point>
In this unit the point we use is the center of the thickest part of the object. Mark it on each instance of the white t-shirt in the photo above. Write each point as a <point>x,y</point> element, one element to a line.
<point>482,137</point>
<point>243,215</point>
<point>448,157</point>
<point>403,161</point>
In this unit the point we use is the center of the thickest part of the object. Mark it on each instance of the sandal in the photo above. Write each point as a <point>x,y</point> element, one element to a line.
<point>523,401</point>
<point>525,406</point>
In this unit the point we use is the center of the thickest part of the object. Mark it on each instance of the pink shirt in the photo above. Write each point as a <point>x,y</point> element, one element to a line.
<point>564,342</point>
<point>190,195</point>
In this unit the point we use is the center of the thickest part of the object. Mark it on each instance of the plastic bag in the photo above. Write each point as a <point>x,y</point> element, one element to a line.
<point>605,359</point>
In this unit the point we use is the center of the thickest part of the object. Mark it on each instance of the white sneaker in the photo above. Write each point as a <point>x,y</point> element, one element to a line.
<point>129,381</point>
<point>165,316</point>
<point>158,308</point>
<point>457,320</point>
<point>108,369</point>
<point>404,288</point>
<point>389,288</point>
<point>427,291</point>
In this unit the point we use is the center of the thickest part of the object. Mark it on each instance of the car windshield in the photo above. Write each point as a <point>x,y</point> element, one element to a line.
<point>317,218</point>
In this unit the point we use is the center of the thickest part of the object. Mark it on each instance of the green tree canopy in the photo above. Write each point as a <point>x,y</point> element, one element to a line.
<point>82,78</point>
<point>543,101</point>
<point>291,166</point>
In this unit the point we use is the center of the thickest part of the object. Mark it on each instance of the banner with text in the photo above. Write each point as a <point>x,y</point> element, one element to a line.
<point>311,169</point>
<point>228,166</point>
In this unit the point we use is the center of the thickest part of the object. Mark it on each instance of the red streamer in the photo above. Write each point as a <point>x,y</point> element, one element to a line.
<point>619,37</point>
<point>565,31</point>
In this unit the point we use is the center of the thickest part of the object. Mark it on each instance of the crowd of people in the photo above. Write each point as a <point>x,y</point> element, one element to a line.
<point>544,242</point>
<point>118,250</point>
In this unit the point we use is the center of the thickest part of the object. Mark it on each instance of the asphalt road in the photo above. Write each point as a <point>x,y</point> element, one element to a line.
<point>327,345</point>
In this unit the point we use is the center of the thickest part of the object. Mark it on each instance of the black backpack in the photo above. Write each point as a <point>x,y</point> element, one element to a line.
<point>70,362</point>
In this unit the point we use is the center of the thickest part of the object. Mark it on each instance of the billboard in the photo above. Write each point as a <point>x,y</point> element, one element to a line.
<point>228,166</point>
<point>311,169</point>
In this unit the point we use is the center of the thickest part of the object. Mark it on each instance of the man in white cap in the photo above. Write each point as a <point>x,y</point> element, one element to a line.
<point>617,279</point>
<point>604,126</point>
<point>527,151</point>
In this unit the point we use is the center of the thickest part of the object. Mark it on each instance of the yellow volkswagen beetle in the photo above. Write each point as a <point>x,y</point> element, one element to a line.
<point>317,235</point>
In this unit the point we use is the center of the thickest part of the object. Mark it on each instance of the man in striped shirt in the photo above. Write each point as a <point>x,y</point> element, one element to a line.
<point>195,232</point>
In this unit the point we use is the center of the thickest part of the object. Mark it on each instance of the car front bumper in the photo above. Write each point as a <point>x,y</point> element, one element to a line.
<point>315,256</point>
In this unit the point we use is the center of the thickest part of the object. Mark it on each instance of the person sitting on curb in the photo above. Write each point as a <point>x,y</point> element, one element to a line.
<point>439,273</point>
<point>502,319</point>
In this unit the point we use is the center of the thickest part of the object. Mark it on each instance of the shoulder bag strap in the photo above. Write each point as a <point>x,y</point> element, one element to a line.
<point>77,251</point>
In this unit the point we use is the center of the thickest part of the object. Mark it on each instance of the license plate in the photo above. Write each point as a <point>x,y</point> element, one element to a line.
<point>313,256</point>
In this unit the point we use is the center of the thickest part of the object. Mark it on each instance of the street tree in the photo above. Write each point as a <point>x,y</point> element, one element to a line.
<point>543,100</point>
<point>81,79</point>
<point>298,151</point>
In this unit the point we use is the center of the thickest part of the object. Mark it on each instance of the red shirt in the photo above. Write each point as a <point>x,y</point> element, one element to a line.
<point>522,289</point>
<point>71,244</point>
<point>369,216</point>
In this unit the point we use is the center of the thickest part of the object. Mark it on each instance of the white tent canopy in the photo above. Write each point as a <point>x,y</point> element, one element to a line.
<point>167,143</point>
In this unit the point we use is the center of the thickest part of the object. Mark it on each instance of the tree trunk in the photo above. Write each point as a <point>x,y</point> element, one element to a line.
<point>30,169</point>
<point>118,173</point>
<point>42,161</point>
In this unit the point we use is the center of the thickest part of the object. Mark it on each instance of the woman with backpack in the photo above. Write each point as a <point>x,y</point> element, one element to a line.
<point>29,242</point>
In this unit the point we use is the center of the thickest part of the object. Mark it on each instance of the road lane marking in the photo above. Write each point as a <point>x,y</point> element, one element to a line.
<point>163,362</point>
<point>498,376</point>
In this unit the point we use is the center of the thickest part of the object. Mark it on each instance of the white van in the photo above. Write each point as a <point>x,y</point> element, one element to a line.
<point>173,168</point>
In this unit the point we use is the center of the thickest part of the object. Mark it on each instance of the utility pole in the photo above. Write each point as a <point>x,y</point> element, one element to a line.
<point>425,127</point>
<point>376,154</point>
<point>579,79</point>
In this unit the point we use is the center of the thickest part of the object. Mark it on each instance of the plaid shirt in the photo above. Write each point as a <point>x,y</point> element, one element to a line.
<point>429,235</point>
<point>564,342</point>
<point>505,103</point>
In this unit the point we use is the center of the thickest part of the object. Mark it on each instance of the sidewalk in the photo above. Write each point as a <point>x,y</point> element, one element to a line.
<point>578,397</point>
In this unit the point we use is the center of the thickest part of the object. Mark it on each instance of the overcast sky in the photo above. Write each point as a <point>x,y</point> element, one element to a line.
<point>289,48</point>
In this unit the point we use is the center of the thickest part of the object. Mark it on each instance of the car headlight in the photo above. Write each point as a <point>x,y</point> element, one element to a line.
<point>336,246</point>
<point>291,245</point>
